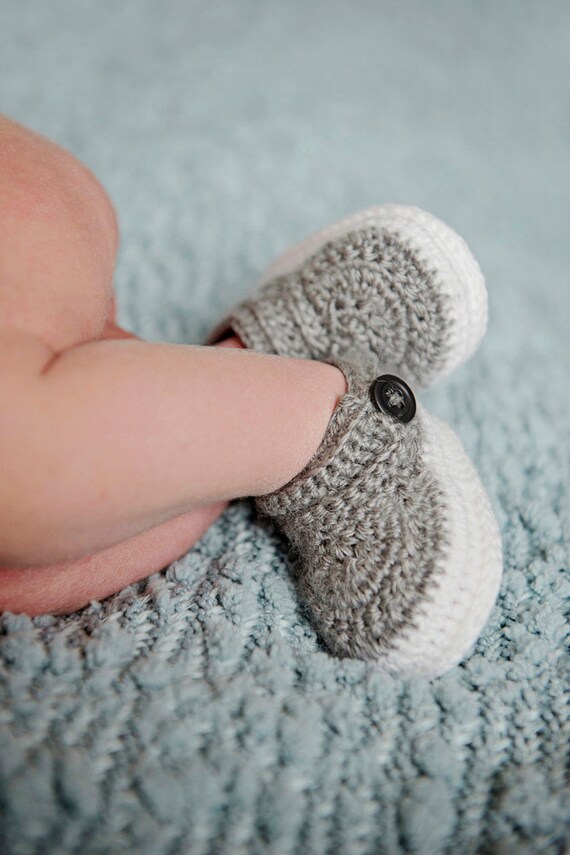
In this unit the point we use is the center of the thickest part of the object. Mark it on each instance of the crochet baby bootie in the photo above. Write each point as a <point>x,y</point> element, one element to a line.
<point>399,555</point>
<point>391,279</point>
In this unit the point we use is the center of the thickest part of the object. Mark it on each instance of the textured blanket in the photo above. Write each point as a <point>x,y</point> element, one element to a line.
<point>196,712</point>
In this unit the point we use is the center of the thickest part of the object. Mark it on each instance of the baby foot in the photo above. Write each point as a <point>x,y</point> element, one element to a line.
<point>391,279</point>
<point>399,555</point>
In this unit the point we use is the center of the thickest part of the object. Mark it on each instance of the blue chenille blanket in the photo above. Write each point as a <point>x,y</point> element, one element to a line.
<point>195,712</point>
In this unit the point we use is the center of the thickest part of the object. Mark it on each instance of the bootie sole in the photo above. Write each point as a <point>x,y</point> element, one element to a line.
<point>438,247</point>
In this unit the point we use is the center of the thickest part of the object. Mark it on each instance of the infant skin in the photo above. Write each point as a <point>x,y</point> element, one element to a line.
<point>117,454</point>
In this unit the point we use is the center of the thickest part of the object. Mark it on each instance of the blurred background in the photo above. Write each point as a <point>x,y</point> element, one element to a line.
<point>198,705</point>
<point>224,131</point>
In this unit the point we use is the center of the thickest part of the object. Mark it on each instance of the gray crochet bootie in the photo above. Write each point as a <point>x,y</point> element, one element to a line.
<point>399,555</point>
<point>392,279</point>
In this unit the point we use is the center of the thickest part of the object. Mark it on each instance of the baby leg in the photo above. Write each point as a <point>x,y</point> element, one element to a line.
<point>220,428</point>
<point>59,236</point>
<point>64,587</point>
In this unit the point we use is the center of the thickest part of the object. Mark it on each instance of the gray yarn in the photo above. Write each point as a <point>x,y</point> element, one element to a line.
<point>194,713</point>
<point>366,289</point>
<point>364,517</point>
<point>366,520</point>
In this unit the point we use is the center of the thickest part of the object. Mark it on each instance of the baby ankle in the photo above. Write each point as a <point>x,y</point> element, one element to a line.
<point>230,339</point>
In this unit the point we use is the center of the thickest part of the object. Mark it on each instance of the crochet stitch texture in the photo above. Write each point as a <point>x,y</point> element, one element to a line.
<point>196,713</point>
<point>368,521</point>
<point>391,279</point>
<point>399,552</point>
<point>312,312</point>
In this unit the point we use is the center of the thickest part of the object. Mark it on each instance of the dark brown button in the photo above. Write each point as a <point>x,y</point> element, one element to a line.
<point>394,397</point>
